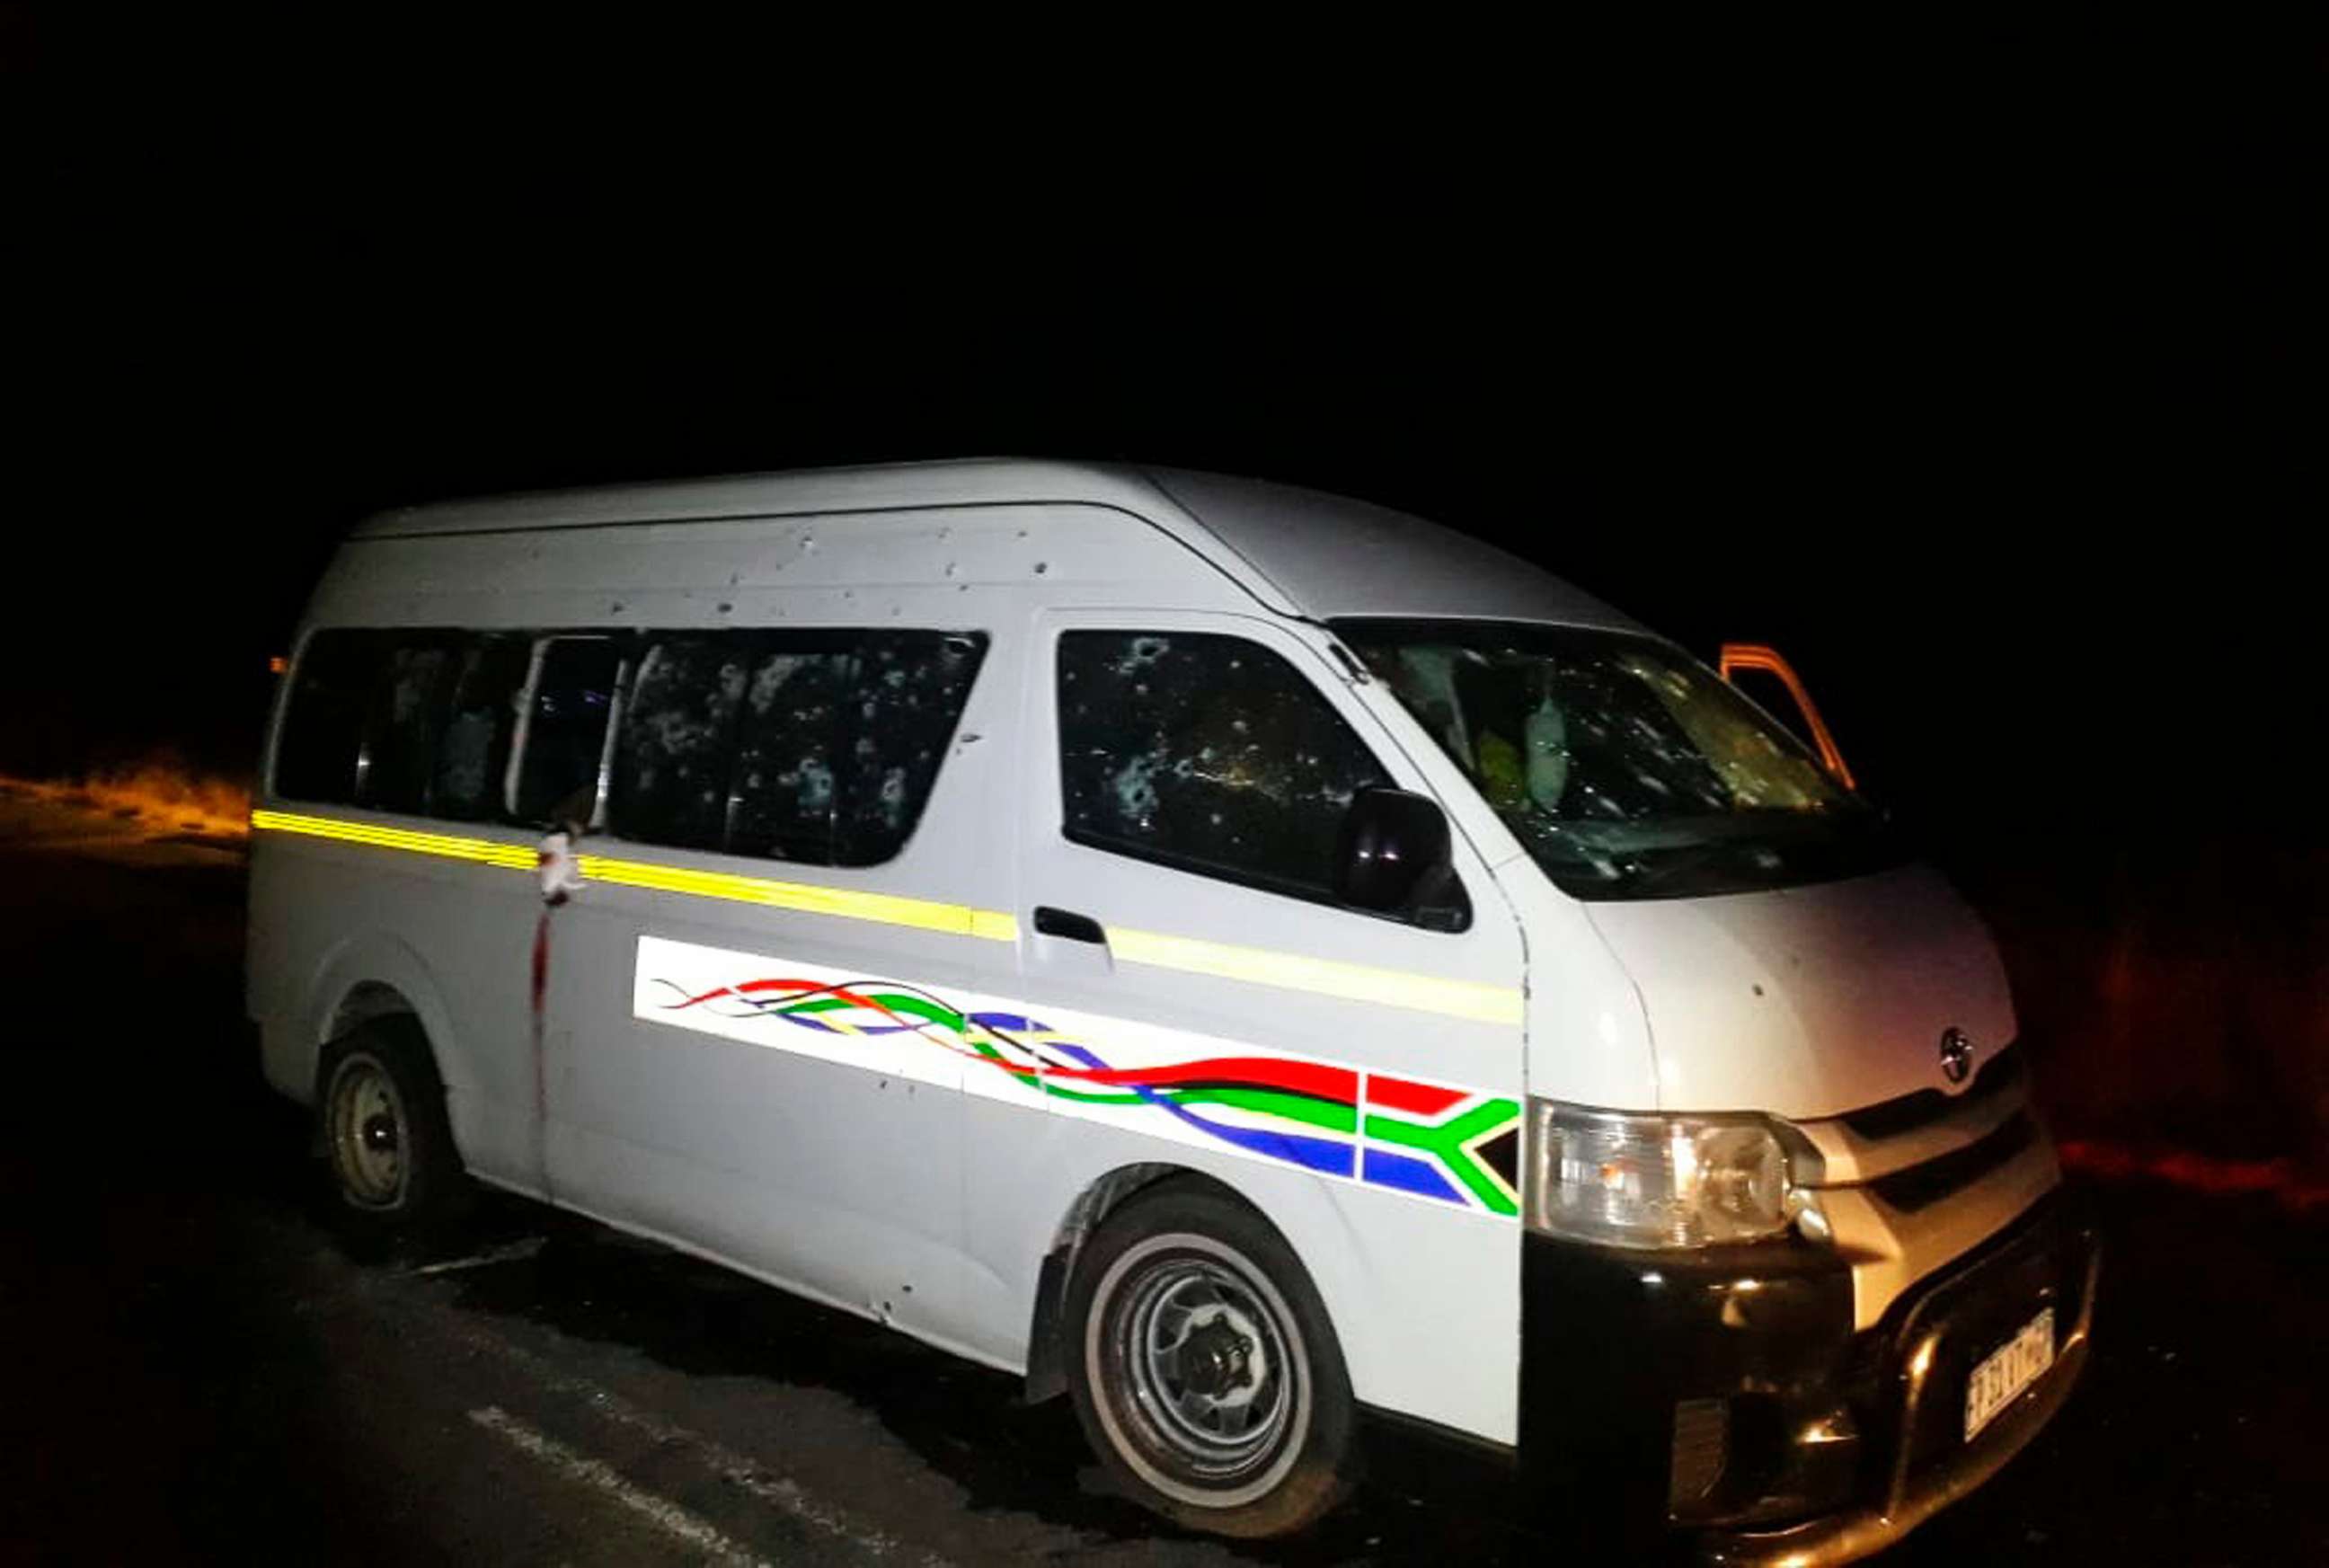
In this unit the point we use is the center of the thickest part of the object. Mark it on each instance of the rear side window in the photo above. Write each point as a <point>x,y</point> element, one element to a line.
<point>416,722</point>
<point>788,763</point>
<point>473,749</point>
<point>568,704</point>
<point>672,763</point>
<point>910,690</point>
<point>1206,753</point>
<point>819,747</point>
<point>406,710</point>
<point>320,749</point>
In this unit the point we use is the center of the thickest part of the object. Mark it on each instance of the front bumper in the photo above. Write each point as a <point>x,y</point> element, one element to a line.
<point>1727,1393</point>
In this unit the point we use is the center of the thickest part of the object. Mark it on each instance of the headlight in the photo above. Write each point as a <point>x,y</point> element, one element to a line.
<point>1654,1181</point>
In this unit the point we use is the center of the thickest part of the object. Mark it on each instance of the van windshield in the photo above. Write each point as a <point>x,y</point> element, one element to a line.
<point>1627,769</point>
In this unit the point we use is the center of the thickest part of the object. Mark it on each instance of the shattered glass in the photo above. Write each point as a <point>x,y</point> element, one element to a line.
<point>817,747</point>
<point>1207,751</point>
<point>672,760</point>
<point>785,762</point>
<point>1626,769</point>
<point>910,691</point>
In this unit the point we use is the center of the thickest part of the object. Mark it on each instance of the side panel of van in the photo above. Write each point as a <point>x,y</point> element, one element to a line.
<point>1357,1077</point>
<point>762,1059</point>
<point>864,1083</point>
<point>740,1076</point>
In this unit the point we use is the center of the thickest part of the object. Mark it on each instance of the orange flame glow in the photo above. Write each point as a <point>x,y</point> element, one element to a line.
<point>158,797</point>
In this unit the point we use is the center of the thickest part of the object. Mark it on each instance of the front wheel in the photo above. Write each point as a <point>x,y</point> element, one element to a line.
<point>1205,1372</point>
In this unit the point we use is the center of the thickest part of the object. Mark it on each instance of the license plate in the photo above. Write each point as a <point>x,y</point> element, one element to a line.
<point>2005,1371</point>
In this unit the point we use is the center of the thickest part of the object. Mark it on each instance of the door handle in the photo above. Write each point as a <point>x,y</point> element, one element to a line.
<point>1075,928</point>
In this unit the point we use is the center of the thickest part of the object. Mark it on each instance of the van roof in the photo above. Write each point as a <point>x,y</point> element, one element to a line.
<point>1300,552</point>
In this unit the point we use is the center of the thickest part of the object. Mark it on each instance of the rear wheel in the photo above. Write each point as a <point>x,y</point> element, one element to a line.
<point>381,1113</point>
<point>1204,1370</point>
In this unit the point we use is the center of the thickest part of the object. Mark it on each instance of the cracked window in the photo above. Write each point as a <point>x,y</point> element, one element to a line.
<point>820,747</point>
<point>1208,752</point>
<point>678,745</point>
<point>1625,767</point>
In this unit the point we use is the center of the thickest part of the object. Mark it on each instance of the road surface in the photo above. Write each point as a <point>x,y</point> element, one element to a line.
<point>204,1370</point>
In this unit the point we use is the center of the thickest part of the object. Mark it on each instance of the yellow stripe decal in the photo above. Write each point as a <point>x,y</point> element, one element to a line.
<point>1187,955</point>
<point>954,919</point>
<point>484,851</point>
<point>1321,976</point>
<point>923,914</point>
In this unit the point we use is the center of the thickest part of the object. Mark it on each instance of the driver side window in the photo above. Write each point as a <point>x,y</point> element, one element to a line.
<point>1205,753</point>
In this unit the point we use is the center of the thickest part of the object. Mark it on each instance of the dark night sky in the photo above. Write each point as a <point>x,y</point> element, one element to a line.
<point>1980,375</point>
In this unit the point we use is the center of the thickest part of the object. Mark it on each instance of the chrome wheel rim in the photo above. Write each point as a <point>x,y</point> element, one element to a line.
<point>367,1129</point>
<point>1202,1374</point>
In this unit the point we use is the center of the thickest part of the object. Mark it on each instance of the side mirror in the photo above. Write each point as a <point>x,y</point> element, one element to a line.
<point>1392,857</point>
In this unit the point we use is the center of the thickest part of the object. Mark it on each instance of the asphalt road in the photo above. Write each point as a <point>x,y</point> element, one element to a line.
<point>201,1368</point>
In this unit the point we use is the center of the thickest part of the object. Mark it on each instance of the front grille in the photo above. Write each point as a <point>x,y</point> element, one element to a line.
<point>1891,1118</point>
<point>1922,1185</point>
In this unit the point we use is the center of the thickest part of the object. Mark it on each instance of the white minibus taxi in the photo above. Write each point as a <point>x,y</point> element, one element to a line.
<point>1237,956</point>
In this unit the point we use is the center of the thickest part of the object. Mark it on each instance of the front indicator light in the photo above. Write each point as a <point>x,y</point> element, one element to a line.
<point>1804,1207</point>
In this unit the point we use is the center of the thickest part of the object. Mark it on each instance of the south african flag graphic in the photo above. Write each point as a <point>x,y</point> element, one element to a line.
<point>1447,1143</point>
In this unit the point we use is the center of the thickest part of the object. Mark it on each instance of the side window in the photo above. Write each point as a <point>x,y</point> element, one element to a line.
<point>564,726</point>
<point>788,763</point>
<point>910,690</point>
<point>407,707</point>
<point>673,759</point>
<point>320,750</point>
<point>473,749</point>
<point>1207,752</point>
<point>819,747</point>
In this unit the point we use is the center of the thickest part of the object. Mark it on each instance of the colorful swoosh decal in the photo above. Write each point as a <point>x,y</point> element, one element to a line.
<point>1427,1140</point>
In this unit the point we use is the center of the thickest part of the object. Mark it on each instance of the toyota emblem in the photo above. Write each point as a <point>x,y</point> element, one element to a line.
<point>1957,1054</point>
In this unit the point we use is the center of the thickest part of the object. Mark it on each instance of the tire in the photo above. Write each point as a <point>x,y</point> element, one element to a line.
<point>388,1147</point>
<point>1204,1371</point>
